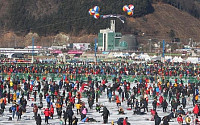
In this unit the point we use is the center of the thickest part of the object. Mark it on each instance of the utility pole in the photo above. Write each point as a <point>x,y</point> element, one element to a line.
<point>150,45</point>
<point>190,42</point>
<point>15,41</point>
<point>32,49</point>
<point>95,50</point>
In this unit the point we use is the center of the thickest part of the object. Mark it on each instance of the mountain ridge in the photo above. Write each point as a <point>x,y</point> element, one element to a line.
<point>165,23</point>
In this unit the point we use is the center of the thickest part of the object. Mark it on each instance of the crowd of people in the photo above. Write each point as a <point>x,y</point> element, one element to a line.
<point>108,68</point>
<point>64,97</point>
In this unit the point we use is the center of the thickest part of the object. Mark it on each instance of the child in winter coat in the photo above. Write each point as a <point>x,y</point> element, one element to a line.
<point>180,120</point>
<point>74,121</point>
<point>98,108</point>
<point>38,120</point>
<point>78,107</point>
<point>83,113</point>
<point>51,111</point>
<point>121,110</point>
<point>125,121</point>
<point>196,110</point>
<point>46,113</point>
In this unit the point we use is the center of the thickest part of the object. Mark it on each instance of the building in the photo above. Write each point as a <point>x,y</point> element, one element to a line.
<point>109,40</point>
<point>128,42</point>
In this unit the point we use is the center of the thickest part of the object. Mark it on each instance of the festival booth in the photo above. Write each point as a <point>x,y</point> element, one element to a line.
<point>177,59</point>
<point>133,55</point>
<point>142,56</point>
<point>118,55</point>
<point>192,60</point>
<point>168,58</point>
<point>180,59</point>
<point>156,58</point>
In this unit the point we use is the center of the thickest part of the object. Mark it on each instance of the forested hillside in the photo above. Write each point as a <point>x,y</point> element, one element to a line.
<point>190,6</point>
<point>47,17</point>
<point>152,19</point>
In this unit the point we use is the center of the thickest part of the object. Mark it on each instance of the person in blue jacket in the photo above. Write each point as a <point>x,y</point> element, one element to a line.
<point>13,108</point>
<point>48,99</point>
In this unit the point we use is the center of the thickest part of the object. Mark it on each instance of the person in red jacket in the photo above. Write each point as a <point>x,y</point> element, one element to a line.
<point>51,111</point>
<point>161,99</point>
<point>180,120</point>
<point>196,110</point>
<point>46,114</point>
<point>125,121</point>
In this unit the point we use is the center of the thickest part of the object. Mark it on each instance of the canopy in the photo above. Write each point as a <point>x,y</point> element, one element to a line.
<point>192,60</point>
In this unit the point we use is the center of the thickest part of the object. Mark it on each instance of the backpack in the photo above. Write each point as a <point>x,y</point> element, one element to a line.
<point>189,119</point>
<point>159,120</point>
<point>120,121</point>
<point>1,111</point>
<point>10,119</point>
<point>10,109</point>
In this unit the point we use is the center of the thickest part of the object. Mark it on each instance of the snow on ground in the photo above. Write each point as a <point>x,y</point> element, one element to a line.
<point>27,118</point>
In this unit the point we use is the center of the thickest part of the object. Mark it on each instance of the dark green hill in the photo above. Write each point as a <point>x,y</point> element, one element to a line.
<point>47,17</point>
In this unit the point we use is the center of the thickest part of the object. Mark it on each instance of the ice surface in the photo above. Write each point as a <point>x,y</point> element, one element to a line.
<point>27,118</point>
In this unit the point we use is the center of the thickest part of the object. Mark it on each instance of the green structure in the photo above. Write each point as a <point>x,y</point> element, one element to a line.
<point>109,40</point>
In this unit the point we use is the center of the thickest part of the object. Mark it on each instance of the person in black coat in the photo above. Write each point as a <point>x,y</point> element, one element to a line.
<point>19,113</point>
<point>145,105</point>
<point>40,96</point>
<point>3,106</point>
<point>164,105</point>
<point>165,120</point>
<point>35,95</point>
<point>65,116</point>
<point>184,102</point>
<point>157,119</point>
<point>38,120</point>
<point>105,115</point>
<point>70,115</point>
<point>8,96</point>
<point>154,103</point>
<point>90,102</point>
<point>59,112</point>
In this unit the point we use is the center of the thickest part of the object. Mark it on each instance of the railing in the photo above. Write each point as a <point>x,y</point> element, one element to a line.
<point>84,77</point>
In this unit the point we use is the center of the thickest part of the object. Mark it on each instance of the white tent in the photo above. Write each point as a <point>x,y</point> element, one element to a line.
<point>144,56</point>
<point>168,58</point>
<point>133,55</point>
<point>111,55</point>
<point>175,59</point>
<point>157,58</point>
<point>192,60</point>
<point>154,56</point>
<point>118,54</point>
<point>180,59</point>
<point>126,54</point>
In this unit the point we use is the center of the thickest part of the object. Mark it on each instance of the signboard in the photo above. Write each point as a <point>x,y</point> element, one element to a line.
<point>75,52</point>
<point>81,46</point>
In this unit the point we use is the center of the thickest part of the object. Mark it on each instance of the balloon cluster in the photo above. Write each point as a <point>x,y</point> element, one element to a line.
<point>129,9</point>
<point>95,12</point>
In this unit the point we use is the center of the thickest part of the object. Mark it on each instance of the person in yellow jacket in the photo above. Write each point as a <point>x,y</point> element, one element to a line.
<point>175,84</point>
<point>1,100</point>
<point>196,98</point>
<point>168,84</point>
<point>187,120</point>
<point>58,105</point>
<point>14,97</point>
<point>78,106</point>
<point>11,84</point>
<point>112,122</point>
